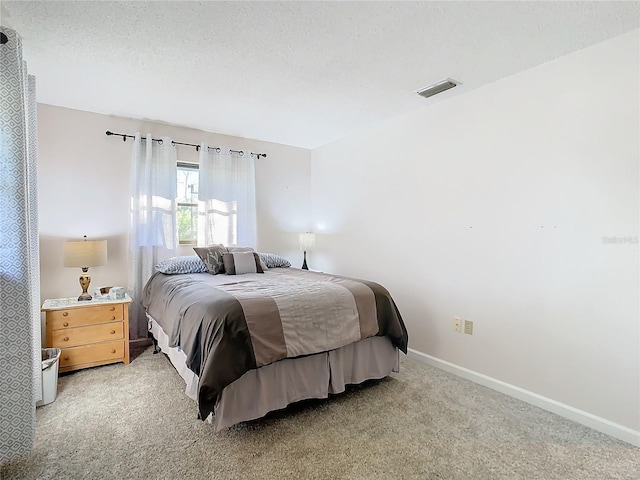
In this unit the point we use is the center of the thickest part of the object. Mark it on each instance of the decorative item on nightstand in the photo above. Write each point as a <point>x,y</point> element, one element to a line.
<point>85,254</point>
<point>306,242</point>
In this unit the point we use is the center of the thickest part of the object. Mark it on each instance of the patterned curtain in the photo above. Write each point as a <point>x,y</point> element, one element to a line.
<point>227,193</point>
<point>20,357</point>
<point>153,232</point>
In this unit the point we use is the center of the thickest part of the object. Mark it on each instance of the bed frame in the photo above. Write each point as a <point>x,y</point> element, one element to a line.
<point>276,385</point>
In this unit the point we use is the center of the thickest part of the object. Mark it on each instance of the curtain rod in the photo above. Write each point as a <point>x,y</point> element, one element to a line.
<point>159,140</point>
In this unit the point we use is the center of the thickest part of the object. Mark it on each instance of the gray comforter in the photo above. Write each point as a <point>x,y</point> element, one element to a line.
<point>227,325</point>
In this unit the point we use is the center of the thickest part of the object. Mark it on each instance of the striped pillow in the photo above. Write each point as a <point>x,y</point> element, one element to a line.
<point>183,264</point>
<point>240,263</point>
<point>272,260</point>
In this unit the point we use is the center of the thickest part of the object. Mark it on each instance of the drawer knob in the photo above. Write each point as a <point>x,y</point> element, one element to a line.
<point>113,317</point>
<point>65,314</point>
<point>113,332</point>
<point>66,339</point>
<point>65,324</point>
<point>113,309</point>
<point>66,359</point>
<point>113,350</point>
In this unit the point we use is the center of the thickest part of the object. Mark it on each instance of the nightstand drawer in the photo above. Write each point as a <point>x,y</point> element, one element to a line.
<point>70,337</point>
<point>76,317</point>
<point>99,352</point>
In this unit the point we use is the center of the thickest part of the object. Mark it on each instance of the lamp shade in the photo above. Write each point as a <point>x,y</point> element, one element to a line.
<point>307,241</point>
<point>85,254</point>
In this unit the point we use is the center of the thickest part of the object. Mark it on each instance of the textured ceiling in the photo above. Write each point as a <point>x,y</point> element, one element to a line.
<point>298,73</point>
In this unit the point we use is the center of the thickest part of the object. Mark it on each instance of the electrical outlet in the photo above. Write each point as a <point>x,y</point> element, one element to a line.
<point>457,324</point>
<point>468,327</point>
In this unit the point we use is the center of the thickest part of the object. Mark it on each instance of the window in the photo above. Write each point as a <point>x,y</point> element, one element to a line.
<point>188,203</point>
<point>221,209</point>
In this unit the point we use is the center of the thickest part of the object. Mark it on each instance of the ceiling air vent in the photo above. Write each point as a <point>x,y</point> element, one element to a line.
<point>436,88</point>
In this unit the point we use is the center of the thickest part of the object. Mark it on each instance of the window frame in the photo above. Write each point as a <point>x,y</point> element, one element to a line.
<point>188,166</point>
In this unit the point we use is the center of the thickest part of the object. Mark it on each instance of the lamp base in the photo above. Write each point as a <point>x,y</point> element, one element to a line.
<point>304,264</point>
<point>85,297</point>
<point>85,280</point>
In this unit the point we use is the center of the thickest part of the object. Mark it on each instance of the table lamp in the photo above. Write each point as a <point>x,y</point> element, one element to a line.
<point>85,254</point>
<point>306,242</point>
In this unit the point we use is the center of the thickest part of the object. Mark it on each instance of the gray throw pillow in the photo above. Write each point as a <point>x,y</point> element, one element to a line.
<point>239,263</point>
<point>212,257</point>
<point>234,249</point>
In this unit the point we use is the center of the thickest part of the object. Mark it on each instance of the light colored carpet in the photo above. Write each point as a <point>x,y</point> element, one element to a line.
<point>134,421</point>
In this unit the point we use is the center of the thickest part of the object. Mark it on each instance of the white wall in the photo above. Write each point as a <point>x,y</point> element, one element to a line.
<point>493,206</point>
<point>84,190</point>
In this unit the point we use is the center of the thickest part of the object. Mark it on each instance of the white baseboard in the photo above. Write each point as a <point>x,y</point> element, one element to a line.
<point>585,418</point>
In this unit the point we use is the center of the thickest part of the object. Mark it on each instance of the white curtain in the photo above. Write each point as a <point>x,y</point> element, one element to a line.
<point>228,195</point>
<point>153,233</point>
<point>20,357</point>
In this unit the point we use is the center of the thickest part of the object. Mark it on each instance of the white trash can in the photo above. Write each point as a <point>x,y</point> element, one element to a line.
<point>50,361</point>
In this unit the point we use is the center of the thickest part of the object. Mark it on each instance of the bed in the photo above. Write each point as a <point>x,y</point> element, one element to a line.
<point>251,343</point>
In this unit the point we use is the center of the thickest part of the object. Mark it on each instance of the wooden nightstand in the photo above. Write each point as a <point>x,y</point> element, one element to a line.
<point>89,333</point>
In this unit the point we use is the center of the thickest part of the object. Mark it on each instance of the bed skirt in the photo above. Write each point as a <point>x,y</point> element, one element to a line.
<point>274,386</point>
